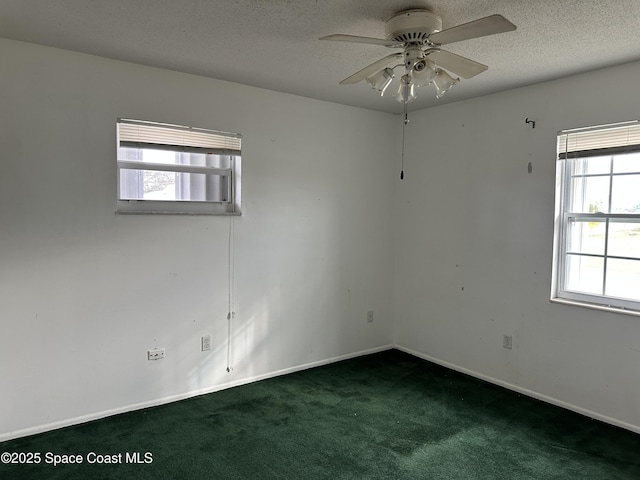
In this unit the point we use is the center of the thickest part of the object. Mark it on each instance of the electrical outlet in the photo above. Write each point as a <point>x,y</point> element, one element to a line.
<point>206,343</point>
<point>155,354</point>
<point>507,341</point>
<point>370,316</point>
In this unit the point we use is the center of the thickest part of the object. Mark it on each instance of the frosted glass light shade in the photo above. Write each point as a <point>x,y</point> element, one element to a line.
<point>406,90</point>
<point>443,82</point>
<point>380,81</point>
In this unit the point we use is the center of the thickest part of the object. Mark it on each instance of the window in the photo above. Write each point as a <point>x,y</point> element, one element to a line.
<point>597,232</point>
<point>166,168</point>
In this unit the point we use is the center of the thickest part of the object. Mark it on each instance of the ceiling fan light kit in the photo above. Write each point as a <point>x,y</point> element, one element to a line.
<point>419,33</point>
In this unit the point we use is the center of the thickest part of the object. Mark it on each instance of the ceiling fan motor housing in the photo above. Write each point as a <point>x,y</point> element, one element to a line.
<point>412,26</point>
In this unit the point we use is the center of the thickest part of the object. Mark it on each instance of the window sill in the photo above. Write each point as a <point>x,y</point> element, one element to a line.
<point>192,214</point>
<point>593,306</point>
<point>155,207</point>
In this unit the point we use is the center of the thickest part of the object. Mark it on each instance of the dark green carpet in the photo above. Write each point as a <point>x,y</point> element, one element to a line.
<point>386,416</point>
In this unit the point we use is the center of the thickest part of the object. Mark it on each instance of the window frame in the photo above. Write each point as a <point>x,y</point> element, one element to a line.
<point>222,143</point>
<point>564,176</point>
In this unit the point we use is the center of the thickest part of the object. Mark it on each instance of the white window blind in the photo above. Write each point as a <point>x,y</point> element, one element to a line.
<point>590,142</point>
<point>139,134</point>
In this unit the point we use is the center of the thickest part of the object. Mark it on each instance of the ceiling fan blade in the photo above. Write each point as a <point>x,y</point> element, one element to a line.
<point>370,69</point>
<point>462,66</point>
<point>356,39</point>
<point>478,28</point>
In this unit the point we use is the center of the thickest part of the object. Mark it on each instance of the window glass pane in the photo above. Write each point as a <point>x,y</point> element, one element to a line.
<point>626,163</point>
<point>589,194</point>
<point>584,274</point>
<point>626,194</point>
<point>168,157</point>
<point>159,156</point>
<point>148,156</point>
<point>586,237</point>
<point>173,186</point>
<point>205,160</point>
<point>591,166</point>
<point>623,278</point>
<point>624,239</point>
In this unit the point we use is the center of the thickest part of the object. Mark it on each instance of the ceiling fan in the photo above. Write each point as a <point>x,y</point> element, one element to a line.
<point>418,32</point>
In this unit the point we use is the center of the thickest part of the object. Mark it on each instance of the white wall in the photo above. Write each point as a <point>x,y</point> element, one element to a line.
<point>474,247</point>
<point>84,293</point>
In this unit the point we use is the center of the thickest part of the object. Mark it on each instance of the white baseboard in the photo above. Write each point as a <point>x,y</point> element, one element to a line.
<point>182,396</point>
<point>524,391</point>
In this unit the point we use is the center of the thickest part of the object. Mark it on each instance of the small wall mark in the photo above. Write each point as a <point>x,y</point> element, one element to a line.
<point>529,168</point>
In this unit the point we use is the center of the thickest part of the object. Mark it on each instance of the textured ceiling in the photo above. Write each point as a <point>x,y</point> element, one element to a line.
<point>274,43</point>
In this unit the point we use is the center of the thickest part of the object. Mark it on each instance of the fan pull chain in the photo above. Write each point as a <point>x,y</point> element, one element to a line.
<point>405,120</point>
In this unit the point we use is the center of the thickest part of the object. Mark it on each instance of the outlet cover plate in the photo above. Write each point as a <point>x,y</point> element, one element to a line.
<point>155,354</point>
